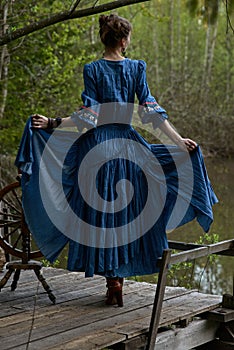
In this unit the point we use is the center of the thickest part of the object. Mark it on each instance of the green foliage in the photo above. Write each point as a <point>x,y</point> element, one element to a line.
<point>207,9</point>
<point>180,275</point>
<point>189,66</point>
<point>187,274</point>
<point>45,71</point>
<point>183,274</point>
<point>192,6</point>
<point>190,72</point>
<point>46,263</point>
<point>207,238</point>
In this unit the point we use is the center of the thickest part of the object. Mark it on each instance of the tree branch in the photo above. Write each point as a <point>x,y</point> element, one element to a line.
<point>229,23</point>
<point>64,16</point>
<point>74,6</point>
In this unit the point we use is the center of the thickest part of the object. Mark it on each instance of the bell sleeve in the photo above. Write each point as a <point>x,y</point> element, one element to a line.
<point>149,109</point>
<point>87,115</point>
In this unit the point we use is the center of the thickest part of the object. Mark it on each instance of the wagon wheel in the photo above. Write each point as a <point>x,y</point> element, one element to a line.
<point>12,224</point>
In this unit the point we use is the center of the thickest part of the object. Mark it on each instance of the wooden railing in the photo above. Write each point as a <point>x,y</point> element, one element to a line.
<point>189,252</point>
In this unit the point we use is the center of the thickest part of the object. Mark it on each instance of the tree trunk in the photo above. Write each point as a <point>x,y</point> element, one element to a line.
<point>171,50</point>
<point>185,66</point>
<point>211,51</point>
<point>205,64</point>
<point>228,68</point>
<point>4,61</point>
<point>92,32</point>
<point>155,46</point>
<point>211,34</point>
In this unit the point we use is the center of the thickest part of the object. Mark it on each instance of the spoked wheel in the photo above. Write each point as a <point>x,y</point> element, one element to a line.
<point>15,239</point>
<point>12,225</point>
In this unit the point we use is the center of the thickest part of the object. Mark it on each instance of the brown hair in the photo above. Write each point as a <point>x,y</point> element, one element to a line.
<point>112,29</point>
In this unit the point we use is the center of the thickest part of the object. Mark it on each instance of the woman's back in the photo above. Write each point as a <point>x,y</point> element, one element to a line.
<point>112,86</point>
<point>115,80</point>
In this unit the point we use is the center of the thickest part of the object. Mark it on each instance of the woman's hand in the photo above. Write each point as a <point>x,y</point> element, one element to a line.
<point>184,143</point>
<point>39,121</point>
<point>188,144</point>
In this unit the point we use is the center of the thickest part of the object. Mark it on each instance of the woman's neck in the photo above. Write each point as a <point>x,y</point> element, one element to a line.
<point>113,54</point>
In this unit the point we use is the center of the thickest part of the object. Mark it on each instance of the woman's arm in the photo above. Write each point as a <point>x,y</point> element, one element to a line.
<point>155,113</point>
<point>41,122</point>
<point>184,143</point>
<point>90,107</point>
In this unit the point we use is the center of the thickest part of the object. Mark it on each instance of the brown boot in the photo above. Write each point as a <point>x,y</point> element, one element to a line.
<point>114,292</point>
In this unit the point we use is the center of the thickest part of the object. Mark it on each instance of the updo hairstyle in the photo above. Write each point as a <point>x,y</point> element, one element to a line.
<point>112,29</point>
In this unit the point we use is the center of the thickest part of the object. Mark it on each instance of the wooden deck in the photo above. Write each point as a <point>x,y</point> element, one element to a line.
<point>81,320</point>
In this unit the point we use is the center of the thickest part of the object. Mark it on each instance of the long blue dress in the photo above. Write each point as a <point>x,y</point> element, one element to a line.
<point>107,192</point>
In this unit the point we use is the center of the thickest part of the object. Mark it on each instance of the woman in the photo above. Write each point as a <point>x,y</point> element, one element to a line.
<point>111,84</point>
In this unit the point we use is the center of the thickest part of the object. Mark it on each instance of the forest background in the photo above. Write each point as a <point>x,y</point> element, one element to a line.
<point>188,46</point>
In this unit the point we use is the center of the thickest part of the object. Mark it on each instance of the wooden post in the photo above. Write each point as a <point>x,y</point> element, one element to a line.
<point>5,232</point>
<point>158,300</point>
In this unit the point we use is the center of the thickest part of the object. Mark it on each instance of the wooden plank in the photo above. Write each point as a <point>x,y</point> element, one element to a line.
<point>71,302</point>
<point>86,315</point>
<point>79,322</point>
<point>183,246</point>
<point>24,300</point>
<point>202,251</point>
<point>143,290</point>
<point>221,315</point>
<point>26,276</point>
<point>173,311</point>
<point>218,345</point>
<point>82,343</point>
<point>16,321</point>
<point>60,335</point>
<point>67,319</point>
<point>85,342</point>
<point>221,247</point>
<point>224,247</point>
<point>27,290</point>
<point>59,285</point>
<point>94,341</point>
<point>195,334</point>
<point>188,306</point>
<point>130,304</point>
<point>81,315</point>
<point>189,255</point>
<point>228,299</point>
<point>158,300</point>
<point>136,343</point>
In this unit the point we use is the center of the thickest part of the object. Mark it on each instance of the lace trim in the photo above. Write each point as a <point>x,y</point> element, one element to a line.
<point>152,112</point>
<point>152,107</point>
<point>85,118</point>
